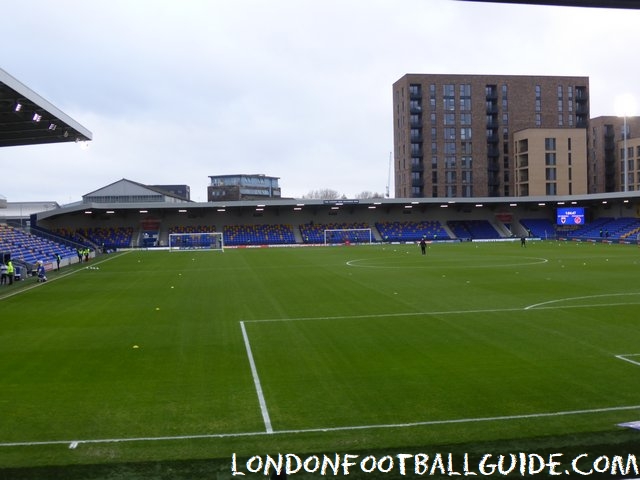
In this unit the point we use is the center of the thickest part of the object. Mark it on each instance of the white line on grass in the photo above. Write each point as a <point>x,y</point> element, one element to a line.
<point>59,277</point>
<point>256,381</point>
<point>580,298</point>
<point>537,306</point>
<point>356,263</point>
<point>624,357</point>
<point>328,429</point>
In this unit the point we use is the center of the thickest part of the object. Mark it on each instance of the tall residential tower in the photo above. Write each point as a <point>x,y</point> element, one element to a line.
<point>490,135</point>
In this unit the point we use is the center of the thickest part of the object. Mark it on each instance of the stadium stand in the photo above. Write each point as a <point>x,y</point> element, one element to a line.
<point>29,248</point>
<point>278,234</point>
<point>192,229</point>
<point>473,229</point>
<point>539,227</point>
<point>314,232</point>
<point>107,238</point>
<point>607,228</point>
<point>411,231</point>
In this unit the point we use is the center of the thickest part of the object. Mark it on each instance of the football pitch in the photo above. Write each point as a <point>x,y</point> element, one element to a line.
<point>194,356</point>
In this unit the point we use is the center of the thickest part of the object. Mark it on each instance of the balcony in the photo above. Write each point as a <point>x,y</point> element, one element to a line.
<point>493,152</point>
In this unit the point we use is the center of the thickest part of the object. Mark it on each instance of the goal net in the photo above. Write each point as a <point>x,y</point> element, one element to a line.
<point>347,235</point>
<point>196,241</point>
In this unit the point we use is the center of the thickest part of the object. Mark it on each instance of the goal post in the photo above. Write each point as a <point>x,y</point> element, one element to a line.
<point>213,241</point>
<point>347,235</point>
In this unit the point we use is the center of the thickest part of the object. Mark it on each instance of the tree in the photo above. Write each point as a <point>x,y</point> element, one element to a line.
<point>368,195</point>
<point>322,194</point>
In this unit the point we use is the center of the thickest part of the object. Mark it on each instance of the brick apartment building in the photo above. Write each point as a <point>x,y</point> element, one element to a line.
<point>490,135</point>
<point>606,138</point>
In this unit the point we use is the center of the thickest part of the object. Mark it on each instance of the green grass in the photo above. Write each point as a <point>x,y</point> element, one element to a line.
<point>356,348</point>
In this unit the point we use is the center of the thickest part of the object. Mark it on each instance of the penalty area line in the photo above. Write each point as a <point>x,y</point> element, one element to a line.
<point>73,444</point>
<point>256,381</point>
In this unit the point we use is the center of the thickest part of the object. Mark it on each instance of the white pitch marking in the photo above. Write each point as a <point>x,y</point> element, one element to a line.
<point>624,357</point>
<point>580,298</point>
<point>73,445</point>
<point>256,381</point>
<point>59,277</point>
<point>356,263</point>
<point>333,429</point>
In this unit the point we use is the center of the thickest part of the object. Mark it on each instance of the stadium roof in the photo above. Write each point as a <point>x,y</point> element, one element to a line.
<point>630,4</point>
<point>28,119</point>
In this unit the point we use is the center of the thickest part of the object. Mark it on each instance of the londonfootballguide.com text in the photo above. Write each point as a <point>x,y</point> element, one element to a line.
<point>422,464</point>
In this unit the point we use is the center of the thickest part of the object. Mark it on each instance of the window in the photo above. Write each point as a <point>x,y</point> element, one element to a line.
<point>449,133</point>
<point>465,119</point>
<point>450,162</point>
<point>450,176</point>
<point>449,118</point>
<point>549,143</point>
<point>549,158</point>
<point>465,104</point>
<point>465,90</point>
<point>465,133</point>
<point>449,104</point>
<point>550,174</point>
<point>551,189</point>
<point>448,90</point>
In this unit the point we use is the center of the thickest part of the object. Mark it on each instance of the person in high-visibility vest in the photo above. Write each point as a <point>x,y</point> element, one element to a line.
<point>10,271</point>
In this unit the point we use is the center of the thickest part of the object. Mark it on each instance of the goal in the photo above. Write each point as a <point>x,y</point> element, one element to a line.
<point>347,235</point>
<point>196,241</point>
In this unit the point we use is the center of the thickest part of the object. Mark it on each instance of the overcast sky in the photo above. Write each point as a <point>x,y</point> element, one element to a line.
<point>177,90</point>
